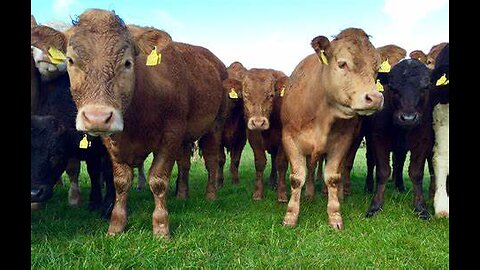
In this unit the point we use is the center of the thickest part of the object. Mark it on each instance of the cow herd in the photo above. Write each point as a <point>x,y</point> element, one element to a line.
<point>111,94</point>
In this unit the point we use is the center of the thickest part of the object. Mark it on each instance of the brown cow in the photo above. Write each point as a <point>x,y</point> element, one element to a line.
<point>234,136</point>
<point>326,93</point>
<point>260,89</point>
<point>138,109</point>
<point>430,58</point>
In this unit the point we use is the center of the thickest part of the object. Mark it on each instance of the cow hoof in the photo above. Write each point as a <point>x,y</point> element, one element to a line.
<point>442,214</point>
<point>182,196</point>
<point>257,196</point>
<point>423,214</point>
<point>290,220</point>
<point>336,223</point>
<point>35,206</point>
<point>211,196</point>
<point>282,198</point>
<point>372,211</point>
<point>74,201</point>
<point>309,197</point>
<point>400,189</point>
<point>114,230</point>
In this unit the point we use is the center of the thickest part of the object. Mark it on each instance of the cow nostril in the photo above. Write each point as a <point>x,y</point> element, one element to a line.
<point>263,123</point>
<point>408,117</point>
<point>109,117</point>
<point>368,98</point>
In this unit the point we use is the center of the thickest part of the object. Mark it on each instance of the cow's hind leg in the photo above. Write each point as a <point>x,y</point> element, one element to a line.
<point>210,144</point>
<point>73,171</point>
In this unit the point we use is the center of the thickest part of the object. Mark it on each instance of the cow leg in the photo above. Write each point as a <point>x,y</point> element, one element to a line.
<point>122,178</point>
<point>142,180</point>
<point>221,164</point>
<point>370,164</point>
<point>73,171</point>
<point>183,164</point>
<point>282,166</point>
<point>94,166</point>
<point>441,168</point>
<point>235,156</point>
<point>260,162</point>
<point>347,166</point>
<point>431,171</point>
<point>309,183</point>
<point>210,144</point>
<point>382,161</point>
<point>333,182</point>
<point>297,179</point>
<point>320,174</point>
<point>158,179</point>
<point>415,171</point>
<point>273,173</point>
<point>109,199</point>
<point>399,156</point>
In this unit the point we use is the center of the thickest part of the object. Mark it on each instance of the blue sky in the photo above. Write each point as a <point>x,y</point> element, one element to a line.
<point>270,33</point>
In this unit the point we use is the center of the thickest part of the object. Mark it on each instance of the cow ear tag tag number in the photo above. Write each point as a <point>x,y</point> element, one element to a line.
<point>282,92</point>
<point>379,86</point>
<point>443,80</point>
<point>56,56</point>
<point>385,67</point>
<point>232,94</point>
<point>323,58</point>
<point>154,58</point>
<point>84,143</point>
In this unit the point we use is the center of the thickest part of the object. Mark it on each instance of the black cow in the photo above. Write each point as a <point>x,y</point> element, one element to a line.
<point>55,148</point>
<point>405,124</point>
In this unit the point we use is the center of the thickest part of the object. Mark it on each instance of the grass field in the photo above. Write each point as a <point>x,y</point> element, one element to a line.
<point>236,232</point>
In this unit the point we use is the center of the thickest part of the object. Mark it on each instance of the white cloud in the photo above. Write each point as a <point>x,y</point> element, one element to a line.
<point>62,7</point>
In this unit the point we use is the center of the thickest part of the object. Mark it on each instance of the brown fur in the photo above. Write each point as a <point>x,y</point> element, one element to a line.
<point>419,55</point>
<point>164,108</point>
<point>433,53</point>
<point>319,113</point>
<point>392,52</point>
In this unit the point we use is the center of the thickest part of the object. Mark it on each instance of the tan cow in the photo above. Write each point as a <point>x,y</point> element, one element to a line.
<point>161,105</point>
<point>326,93</point>
<point>430,58</point>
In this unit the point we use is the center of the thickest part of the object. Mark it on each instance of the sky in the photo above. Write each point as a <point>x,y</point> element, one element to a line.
<point>270,33</point>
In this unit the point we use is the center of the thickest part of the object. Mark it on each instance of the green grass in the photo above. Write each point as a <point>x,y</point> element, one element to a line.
<point>236,232</point>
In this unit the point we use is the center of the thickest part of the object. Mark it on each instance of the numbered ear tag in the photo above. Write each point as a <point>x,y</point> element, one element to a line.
<point>232,94</point>
<point>56,56</point>
<point>323,58</point>
<point>379,86</point>
<point>443,80</point>
<point>385,67</point>
<point>282,92</point>
<point>84,143</point>
<point>154,58</point>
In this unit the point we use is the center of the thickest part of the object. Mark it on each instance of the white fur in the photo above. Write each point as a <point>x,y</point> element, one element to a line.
<point>441,158</point>
<point>48,71</point>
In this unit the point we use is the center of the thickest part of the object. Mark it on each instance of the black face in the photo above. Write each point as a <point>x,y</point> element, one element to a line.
<point>48,155</point>
<point>408,86</point>
<point>440,93</point>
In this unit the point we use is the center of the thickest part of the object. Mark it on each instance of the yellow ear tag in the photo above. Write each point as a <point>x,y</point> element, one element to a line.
<point>153,58</point>
<point>282,92</point>
<point>232,94</point>
<point>443,80</point>
<point>84,143</point>
<point>323,58</point>
<point>56,56</point>
<point>379,86</point>
<point>385,67</point>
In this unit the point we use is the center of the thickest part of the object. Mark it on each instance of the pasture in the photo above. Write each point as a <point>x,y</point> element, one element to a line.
<point>236,232</point>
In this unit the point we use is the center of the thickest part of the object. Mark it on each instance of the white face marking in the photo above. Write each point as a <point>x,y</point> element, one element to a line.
<point>48,71</point>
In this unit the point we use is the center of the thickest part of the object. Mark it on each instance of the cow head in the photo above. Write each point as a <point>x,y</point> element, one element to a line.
<point>408,88</point>
<point>258,89</point>
<point>350,64</point>
<point>433,53</point>
<point>44,39</point>
<point>419,55</point>
<point>391,53</point>
<point>49,140</point>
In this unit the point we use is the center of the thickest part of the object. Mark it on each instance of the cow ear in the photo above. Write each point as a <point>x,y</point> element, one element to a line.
<point>280,86</point>
<point>33,22</point>
<point>320,44</point>
<point>146,38</point>
<point>44,38</point>
<point>233,88</point>
<point>419,55</point>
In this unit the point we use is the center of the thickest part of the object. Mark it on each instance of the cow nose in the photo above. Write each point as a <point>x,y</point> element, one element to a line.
<point>40,193</point>
<point>97,118</point>
<point>258,123</point>
<point>374,99</point>
<point>408,117</point>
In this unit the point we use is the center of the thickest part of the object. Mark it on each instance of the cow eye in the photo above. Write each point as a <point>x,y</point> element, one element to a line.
<point>342,64</point>
<point>70,60</point>
<point>128,64</point>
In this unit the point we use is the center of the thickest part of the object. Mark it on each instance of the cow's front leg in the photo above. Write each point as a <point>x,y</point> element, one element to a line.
<point>122,178</point>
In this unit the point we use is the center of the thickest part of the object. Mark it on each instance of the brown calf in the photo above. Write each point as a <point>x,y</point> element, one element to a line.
<point>138,108</point>
<point>325,94</point>
<point>234,136</point>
